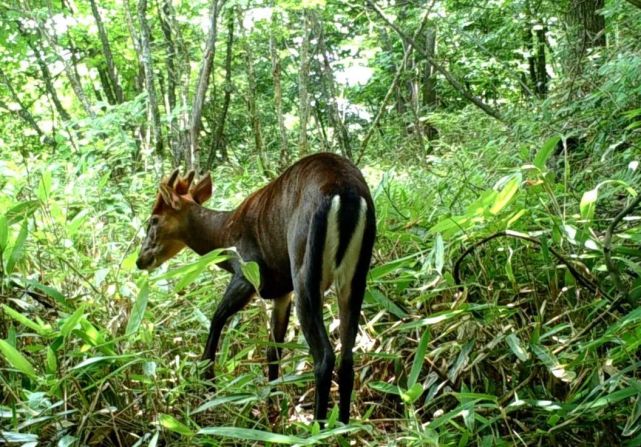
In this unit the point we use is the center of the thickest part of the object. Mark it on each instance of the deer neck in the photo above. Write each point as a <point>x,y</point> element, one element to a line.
<point>207,230</point>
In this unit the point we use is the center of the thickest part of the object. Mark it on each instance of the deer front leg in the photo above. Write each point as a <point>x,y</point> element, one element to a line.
<point>238,293</point>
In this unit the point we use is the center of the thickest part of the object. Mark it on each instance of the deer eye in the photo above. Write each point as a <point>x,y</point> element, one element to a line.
<point>154,220</point>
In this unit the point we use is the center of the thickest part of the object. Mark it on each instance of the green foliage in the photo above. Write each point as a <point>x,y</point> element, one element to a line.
<point>534,341</point>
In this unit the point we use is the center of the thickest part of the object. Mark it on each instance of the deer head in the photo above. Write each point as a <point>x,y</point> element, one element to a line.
<point>168,226</point>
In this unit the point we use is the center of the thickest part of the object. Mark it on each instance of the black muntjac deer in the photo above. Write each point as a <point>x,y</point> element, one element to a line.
<point>312,227</point>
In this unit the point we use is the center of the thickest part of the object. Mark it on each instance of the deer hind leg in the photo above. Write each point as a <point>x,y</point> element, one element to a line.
<point>311,246</point>
<point>278,325</point>
<point>351,276</point>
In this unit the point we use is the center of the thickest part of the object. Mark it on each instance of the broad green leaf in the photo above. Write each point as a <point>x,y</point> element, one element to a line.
<point>44,186</point>
<point>52,361</point>
<point>251,272</point>
<point>543,154</point>
<point>588,203</point>
<point>49,291</point>
<point>506,194</point>
<point>39,328</point>
<point>21,211</point>
<point>439,253</point>
<point>376,297</point>
<point>72,321</point>
<point>411,395</point>
<point>4,232</point>
<point>138,311</point>
<point>552,364</point>
<point>17,251</point>
<point>450,223</point>
<point>515,345</point>
<point>16,359</point>
<point>248,434</point>
<point>190,276</point>
<point>385,387</point>
<point>172,424</point>
<point>235,398</point>
<point>419,358</point>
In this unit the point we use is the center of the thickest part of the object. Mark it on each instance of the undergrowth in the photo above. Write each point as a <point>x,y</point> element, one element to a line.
<point>536,344</point>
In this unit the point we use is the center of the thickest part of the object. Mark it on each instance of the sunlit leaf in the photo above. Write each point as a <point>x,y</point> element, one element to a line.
<point>174,425</point>
<point>16,359</point>
<point>543,154</point>
<point>138,311</point>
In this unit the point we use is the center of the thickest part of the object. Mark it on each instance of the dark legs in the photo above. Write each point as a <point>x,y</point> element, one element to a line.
<point>350,299</point>
<point>310,314</point>
<point>279,322</point>
<point>236,297</point>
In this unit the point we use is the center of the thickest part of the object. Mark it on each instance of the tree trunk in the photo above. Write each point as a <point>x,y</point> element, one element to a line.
<point>46,74</point>
<point>438,67</point>
<point>69,68</point>
<point>586,16</point>
<point>429,81</point>
<point>106,87</point>
<point>328,75</point>
<point>586,31</point>
<point>217,142</point>
<point>172,77</point>
<point>201,87</point>
<point>274,47</point>
<point>303,86</point>
<point>23,112</point>
<point>251,105</point>
<point>541,71</point>
<point>106,51</point>
<point>147,63</point>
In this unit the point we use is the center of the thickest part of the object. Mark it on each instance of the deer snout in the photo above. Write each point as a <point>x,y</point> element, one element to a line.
<point>145,262</point>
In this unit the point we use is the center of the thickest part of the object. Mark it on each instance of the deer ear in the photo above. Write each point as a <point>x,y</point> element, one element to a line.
<point>190,178</point>
<point>202,190</point>
<point>172,178</point>
<point>169,196</point>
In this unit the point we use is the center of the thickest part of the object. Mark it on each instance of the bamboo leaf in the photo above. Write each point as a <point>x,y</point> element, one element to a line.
<point>138,311</point>
<point>542,156</point>
<point>16,359</point>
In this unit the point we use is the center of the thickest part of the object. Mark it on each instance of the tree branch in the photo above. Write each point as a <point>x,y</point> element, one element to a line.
<point>438,67</point>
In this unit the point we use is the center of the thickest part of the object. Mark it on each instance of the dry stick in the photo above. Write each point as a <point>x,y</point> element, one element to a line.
<point>390,92</point>
<point>582,279</point>
<point>438,67</point>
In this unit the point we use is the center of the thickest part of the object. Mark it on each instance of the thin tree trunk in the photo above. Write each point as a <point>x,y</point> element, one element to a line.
<point>147,63</point>
<point>106,87</point>
<point>251,104</point>
<point>217,142</point>
<point>321,127</point>
<point>337,122</point>
<point>24,111</point>
<point>202,86</point>
<point>303,86</point>
<point>46,74</point>
<point>172,78</point>
<point>278,94</point>
<point>106,51</point>
<point>429,82</point>
<point>438,67</point>
<point>70,71</point>
<point>392,89</point>
<point>541,71</point>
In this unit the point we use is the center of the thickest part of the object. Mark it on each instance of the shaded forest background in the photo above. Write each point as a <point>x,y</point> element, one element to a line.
<point>501,141</point>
